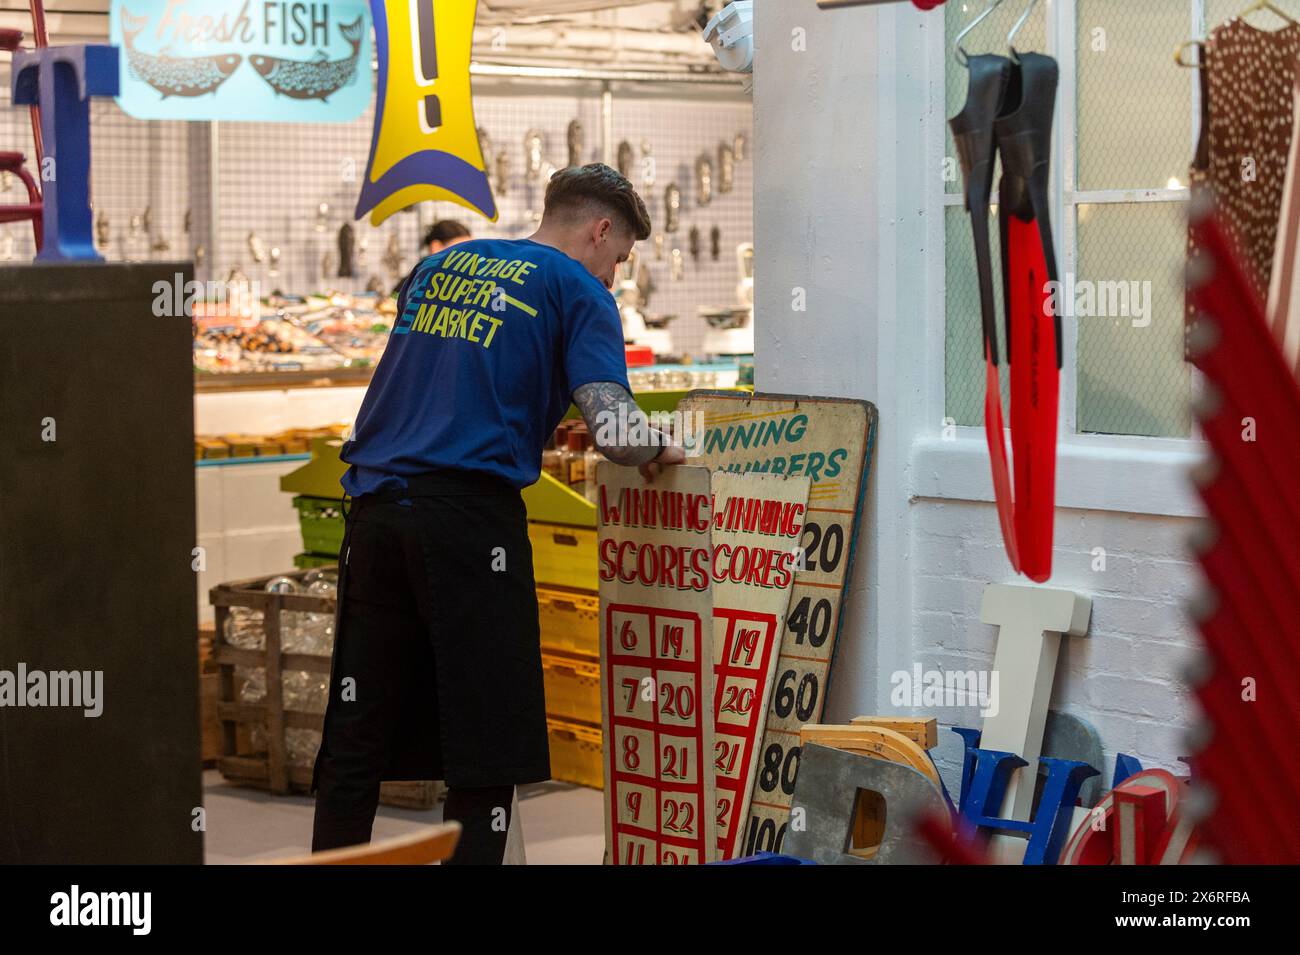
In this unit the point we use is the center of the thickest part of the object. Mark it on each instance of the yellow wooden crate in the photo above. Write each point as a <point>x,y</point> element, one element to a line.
<point>564,556</point>
<point>570,621</point>
<point>572,687</point>
<point>576,753</point>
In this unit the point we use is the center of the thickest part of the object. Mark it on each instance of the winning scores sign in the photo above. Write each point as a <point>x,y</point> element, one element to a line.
<point>696,572</point>
<point>827,441</point>
<point>757,522</point>
<point>656,672</point>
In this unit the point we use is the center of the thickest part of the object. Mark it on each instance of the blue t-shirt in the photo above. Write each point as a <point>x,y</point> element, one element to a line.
<point>492,338</point>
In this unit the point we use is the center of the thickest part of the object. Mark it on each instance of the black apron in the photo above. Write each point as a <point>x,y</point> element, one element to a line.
<point>437,670</point>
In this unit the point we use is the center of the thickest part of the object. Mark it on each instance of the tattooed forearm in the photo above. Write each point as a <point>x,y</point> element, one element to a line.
<point>620,429</point>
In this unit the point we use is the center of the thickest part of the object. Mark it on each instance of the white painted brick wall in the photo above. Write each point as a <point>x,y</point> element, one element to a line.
<point>1126,677</point>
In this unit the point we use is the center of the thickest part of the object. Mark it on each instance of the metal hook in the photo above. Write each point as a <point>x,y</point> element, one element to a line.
<point>1183,48</point>
<point>1011,37</point>
<point>960,54</point>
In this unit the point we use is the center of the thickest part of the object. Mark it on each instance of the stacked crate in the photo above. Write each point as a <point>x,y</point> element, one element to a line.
<point>570,621</point>
<point>318,501</point>
<point>568,610</point>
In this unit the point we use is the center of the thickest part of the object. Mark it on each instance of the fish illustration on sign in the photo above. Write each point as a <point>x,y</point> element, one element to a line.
<point>316,78</point>
<point>175,75</point>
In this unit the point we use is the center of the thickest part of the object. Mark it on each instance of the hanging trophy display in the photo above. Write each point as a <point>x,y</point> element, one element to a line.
<point>726,169</point>
<point>347,241</point>
<point>393,256</point>
<point>625,159</point>
<point>672,208</point>
<point>502,168</point>
<point>534,146</point>
<point>647,165</point>
<point>576,138</point>
<point>703,180</point>
<point>256,248</point>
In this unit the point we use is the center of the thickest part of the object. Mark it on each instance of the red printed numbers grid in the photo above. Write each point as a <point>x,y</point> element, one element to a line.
<point>618,779</point>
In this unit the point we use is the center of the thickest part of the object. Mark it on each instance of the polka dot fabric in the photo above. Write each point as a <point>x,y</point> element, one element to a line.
<point>1251,76</point>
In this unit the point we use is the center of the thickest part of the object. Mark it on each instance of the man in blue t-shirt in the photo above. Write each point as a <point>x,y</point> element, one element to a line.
<point>437,665</point>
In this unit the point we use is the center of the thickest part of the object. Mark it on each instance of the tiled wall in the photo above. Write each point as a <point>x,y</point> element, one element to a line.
<point>273,176</point>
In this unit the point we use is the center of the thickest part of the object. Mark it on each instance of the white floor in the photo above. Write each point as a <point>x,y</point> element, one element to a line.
<point>563,824</point>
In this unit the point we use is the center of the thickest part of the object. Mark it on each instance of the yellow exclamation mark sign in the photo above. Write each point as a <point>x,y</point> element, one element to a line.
<point>426,54</point>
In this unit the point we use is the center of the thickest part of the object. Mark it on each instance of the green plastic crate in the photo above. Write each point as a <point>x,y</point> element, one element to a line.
<point>321,520</point>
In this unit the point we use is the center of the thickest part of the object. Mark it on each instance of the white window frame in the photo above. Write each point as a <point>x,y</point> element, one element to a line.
<point>1127,474</point>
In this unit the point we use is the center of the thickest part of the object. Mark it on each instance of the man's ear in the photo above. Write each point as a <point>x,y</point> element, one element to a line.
<point>604,230</point>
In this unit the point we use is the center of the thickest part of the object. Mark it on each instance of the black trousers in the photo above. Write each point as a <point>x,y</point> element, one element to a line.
<point>437,663</point>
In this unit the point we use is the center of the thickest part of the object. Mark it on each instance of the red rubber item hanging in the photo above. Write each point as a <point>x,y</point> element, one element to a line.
<point>1023,133</point>
<point>1035,393</point>
<point>972,132</point>
<point>1009,108</point>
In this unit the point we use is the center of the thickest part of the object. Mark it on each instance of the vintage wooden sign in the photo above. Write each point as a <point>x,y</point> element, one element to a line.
<point>757,523</point>
<point>829,441</point>
<point>656,666</point>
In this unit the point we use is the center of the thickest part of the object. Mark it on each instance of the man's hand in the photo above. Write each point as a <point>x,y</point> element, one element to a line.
<point>669,456</point>
<point>621,430</point>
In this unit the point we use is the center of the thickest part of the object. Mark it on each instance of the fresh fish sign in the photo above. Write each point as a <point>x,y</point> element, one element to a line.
<point>237,59</point>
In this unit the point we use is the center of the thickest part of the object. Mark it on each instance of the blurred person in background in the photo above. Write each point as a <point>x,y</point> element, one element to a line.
<point>444,234</point>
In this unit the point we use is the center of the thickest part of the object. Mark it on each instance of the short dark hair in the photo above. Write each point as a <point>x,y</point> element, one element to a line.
<point>446,230</point>
<point>598,188</point>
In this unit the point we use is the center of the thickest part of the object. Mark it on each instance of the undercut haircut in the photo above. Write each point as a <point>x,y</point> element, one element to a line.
<point>597,190</point>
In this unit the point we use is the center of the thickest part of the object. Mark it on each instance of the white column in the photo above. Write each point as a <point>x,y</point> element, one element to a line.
<point>846,208</point>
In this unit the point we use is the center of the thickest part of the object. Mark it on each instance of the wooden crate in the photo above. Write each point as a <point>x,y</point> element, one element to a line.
<point>210,723</point>
<point>271,769</point>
